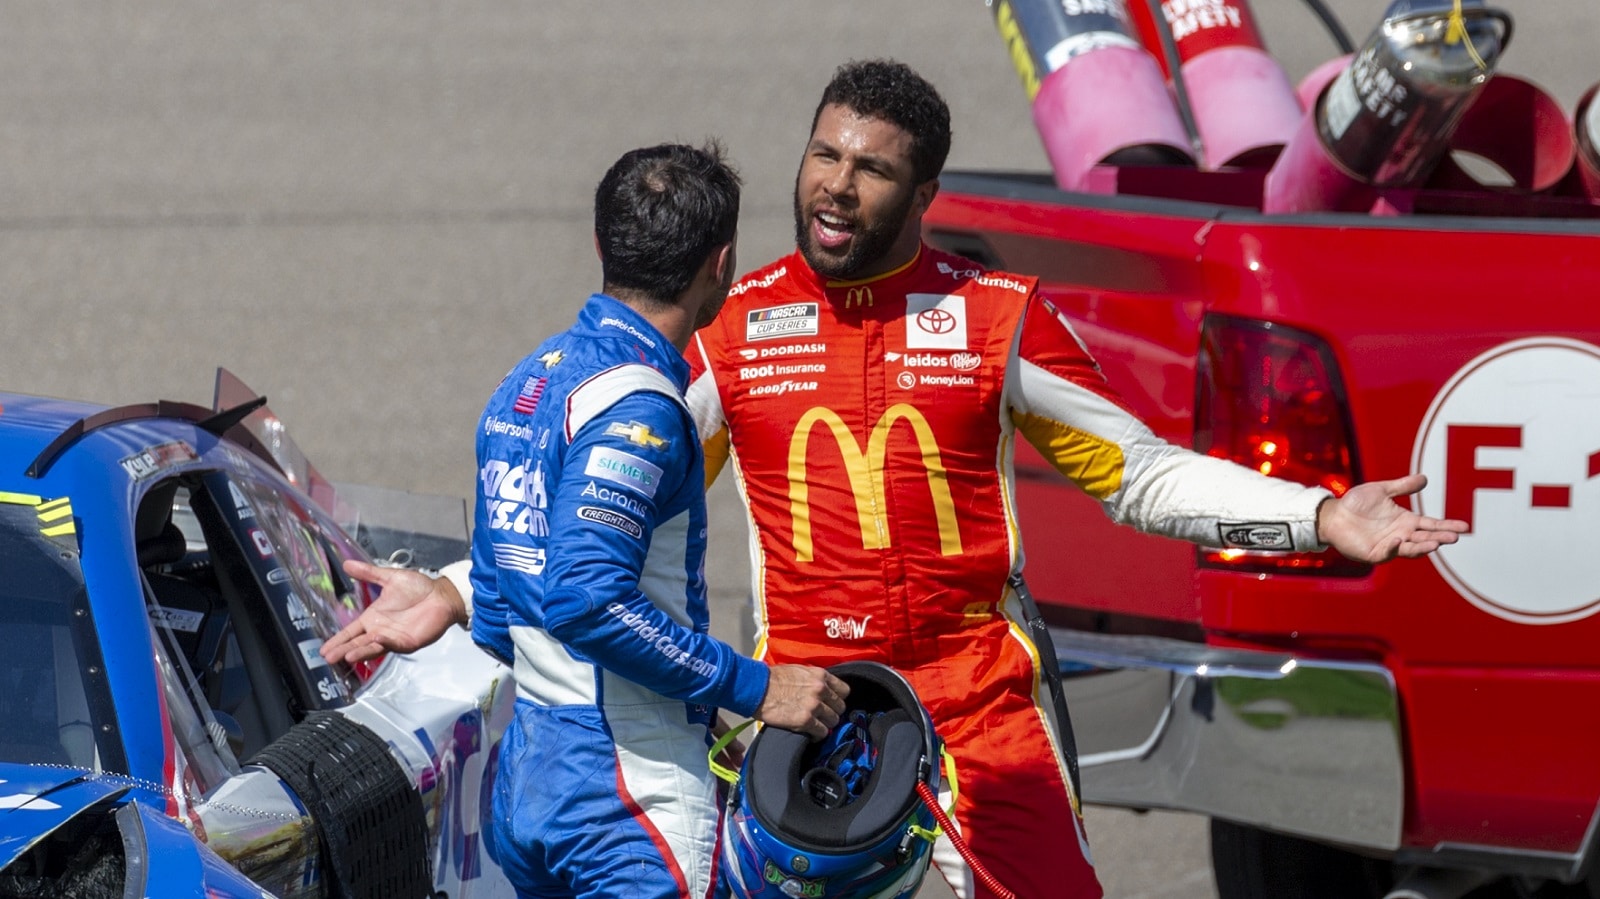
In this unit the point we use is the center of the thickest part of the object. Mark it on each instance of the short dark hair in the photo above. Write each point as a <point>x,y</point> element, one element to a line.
<point>893,92</point>
<point>659,212</point>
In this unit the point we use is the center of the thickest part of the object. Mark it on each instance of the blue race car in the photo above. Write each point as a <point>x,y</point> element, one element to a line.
<point>168,728</point>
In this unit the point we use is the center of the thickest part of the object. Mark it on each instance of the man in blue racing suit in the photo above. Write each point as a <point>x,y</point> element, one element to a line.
<point>587,562</point>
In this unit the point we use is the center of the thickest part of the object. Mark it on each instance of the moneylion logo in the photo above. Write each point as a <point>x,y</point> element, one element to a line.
<point>858,296</point>
<point>866,478</point>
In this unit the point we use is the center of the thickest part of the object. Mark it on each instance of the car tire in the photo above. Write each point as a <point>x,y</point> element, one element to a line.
<point>1249,863</point>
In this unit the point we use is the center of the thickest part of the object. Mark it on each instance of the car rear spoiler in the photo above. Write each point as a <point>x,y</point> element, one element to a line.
<point>415,530</point>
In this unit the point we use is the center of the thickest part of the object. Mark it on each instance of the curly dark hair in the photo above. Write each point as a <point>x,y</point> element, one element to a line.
<point>659,212</point>
<point>893,92</point>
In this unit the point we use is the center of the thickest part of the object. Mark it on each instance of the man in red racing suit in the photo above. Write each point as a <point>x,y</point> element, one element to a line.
<point>871,422</point>
<point>868,391</point>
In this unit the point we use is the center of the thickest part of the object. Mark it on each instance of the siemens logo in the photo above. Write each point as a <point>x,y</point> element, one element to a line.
<point>623,468</point>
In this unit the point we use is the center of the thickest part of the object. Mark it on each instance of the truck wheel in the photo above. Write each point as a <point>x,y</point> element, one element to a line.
<point>1256,864</point>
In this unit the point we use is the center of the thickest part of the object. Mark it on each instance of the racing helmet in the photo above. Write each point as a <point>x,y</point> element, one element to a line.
<point>840,818</point>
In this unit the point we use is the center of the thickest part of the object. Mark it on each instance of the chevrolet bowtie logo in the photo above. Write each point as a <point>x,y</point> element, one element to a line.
<point>858,296</point>
<point>636,434</point>
<point>552,358</point>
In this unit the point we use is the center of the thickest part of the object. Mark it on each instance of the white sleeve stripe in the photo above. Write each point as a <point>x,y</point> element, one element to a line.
<point>1167,489</point>
<point>1050,396</point>
<point>705,401</point>
<point>602,391</point>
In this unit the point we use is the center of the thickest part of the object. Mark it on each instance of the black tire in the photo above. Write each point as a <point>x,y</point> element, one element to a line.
<point>1249,863</point>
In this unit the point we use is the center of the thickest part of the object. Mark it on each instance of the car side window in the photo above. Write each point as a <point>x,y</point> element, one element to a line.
<point>219,707</point>
<point>243,587</point>
<point>303,578</point>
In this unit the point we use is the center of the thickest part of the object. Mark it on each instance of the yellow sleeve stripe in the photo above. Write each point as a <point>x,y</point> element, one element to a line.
<point>1092,462</point>
<point>715,448</point>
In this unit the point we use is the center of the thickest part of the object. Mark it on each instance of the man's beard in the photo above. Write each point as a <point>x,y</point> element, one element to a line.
<point>868,244</point>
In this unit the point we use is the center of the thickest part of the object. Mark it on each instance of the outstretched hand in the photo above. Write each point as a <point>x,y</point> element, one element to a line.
<point>412,611</point>
<point>1367,525</point>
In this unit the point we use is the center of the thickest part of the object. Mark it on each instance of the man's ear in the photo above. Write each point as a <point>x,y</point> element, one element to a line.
<point>725,263</point>
<point>923,196</point>
<point>597,248</point>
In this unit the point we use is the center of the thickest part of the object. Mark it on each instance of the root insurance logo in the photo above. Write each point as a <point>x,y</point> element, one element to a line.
<point>1512,446</point>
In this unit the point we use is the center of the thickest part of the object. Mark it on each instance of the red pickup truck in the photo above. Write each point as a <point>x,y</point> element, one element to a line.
<point>1427,725</point>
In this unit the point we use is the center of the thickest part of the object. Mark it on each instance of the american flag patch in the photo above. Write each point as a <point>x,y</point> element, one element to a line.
<point>528,399</point>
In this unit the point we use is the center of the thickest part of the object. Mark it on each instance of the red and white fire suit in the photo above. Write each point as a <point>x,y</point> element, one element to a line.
<point>871,425</point>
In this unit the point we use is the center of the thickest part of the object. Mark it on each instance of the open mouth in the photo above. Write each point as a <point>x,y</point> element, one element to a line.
<point>832,230</point>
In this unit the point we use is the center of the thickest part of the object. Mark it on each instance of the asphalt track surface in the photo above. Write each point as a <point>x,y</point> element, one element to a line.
<point>370,211</point>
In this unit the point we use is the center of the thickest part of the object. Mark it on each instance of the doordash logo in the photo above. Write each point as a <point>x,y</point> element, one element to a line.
<point>1511,445</point>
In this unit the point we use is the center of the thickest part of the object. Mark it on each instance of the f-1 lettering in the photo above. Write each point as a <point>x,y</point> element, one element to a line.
<point>1464,478</point>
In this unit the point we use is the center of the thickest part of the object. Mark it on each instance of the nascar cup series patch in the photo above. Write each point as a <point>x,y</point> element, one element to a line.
<point>1511,445</point>
<point>793,320</point>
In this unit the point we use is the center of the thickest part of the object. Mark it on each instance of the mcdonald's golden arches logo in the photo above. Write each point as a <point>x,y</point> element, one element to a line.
<point>866,478</point>
<point>857,296</point>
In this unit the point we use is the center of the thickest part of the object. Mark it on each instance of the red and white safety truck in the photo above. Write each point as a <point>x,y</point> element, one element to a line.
<point>1403,275</point>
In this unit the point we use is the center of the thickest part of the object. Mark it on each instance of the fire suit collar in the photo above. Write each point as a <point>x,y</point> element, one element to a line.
<point>607,317</point>
<point>876,280</point>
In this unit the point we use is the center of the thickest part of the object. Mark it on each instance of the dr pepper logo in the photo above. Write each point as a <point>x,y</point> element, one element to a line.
<point>1511,445</point>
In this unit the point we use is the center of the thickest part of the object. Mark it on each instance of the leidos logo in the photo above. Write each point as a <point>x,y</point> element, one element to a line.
<point>865,473</point>
<point>1512,447</point>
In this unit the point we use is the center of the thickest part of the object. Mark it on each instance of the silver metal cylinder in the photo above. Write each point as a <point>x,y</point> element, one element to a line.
<point>1387,119</point>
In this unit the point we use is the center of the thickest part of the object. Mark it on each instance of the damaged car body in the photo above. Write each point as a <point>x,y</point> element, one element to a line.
<point>168,574</point>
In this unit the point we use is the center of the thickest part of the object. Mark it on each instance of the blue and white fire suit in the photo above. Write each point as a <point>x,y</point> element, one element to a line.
<point>588,572</point>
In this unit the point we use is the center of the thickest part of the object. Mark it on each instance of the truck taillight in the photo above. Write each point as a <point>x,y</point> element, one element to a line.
<point>1270,397</point>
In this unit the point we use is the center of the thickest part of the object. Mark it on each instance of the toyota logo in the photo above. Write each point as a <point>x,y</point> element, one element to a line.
<point>936,321</point>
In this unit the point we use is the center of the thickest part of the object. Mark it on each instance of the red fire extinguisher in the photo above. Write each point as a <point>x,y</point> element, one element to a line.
<point>1243,105</point>
<point>1098,96</point>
